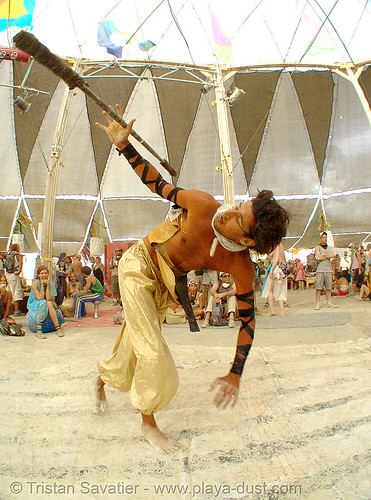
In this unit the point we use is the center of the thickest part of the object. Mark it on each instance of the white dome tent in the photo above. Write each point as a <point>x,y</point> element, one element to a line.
<point>301,127</point>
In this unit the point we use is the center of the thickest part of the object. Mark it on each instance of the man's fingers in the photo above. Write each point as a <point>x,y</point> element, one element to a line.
<point>213,385</point>
<point>130,125</point>
<point>99,125</point>
<point>227,399</point>
<point>233,404</point>
<point>118,109</point>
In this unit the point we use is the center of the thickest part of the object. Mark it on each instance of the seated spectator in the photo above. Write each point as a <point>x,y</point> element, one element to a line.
<point>41,304</point>
<point>364,293</point>
<point>196,299</point>
<point>92,291</point>
<point>223,292</point>
<point>175,314</point>
<point>73,287</point>
<point>5,298</point>
<point>341,285</point>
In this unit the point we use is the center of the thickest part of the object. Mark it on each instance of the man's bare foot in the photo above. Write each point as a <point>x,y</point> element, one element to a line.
<point>271,313</point>
<point>159,440</point>
<point>156,438</point>
<point>101,403</point>
<point>282,314</point>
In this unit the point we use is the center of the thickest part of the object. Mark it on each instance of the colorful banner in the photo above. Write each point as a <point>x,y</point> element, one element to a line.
<point>16,13</point>
<point>106,29</point>
<point>223,46</point>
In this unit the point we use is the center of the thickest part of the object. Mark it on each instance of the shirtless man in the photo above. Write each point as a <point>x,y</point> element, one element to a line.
<point>205,235</point>
<point>76,268</point>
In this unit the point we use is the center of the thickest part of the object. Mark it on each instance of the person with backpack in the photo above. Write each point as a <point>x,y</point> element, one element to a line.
<point>13,262</point>
<point>222,293</point>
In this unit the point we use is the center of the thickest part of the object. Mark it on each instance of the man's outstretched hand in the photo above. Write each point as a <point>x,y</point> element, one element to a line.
<point>118,134</point>
<point>227,390</point>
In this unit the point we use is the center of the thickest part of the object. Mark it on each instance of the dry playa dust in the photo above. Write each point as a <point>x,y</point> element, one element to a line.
<point>300,429</point>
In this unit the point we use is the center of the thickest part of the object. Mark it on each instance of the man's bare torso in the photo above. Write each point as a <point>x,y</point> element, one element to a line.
<point>190,247</point>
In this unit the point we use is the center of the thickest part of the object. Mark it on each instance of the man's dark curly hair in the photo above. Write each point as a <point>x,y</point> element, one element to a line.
<point>271,222</point>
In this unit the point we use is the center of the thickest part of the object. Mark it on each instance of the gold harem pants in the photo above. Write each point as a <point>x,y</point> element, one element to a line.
<point>141,361</point>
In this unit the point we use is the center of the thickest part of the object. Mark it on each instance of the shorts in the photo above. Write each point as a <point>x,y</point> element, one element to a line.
<point>15,285</point>
<point>209,278</point>
<point>355,275</point>
<point>323,279</point>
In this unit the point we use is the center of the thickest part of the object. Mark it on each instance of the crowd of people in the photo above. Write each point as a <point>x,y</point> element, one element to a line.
<point>50,299</point>
<point>212,295</point>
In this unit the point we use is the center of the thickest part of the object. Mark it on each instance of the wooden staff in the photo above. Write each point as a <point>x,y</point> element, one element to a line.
<point>31,45</point>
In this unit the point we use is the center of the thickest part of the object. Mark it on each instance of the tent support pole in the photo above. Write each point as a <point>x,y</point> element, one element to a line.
<point>353,77</point>
<point>51,180</point>
<point>225,143</point>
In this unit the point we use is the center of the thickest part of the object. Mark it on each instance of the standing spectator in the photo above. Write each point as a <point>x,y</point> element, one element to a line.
<point>99,270</point>
<point>209,278</point>
<point>223,292</point>
<point>275,285</point>
<point>368,265</point>
<point>324,254</point>
<point>299,274</point>
<point>115,289</point>
<point>13,264</point>
<point>60,275</point>
<point>68,265</point>
<point>356,270</point>
<point>345,263</point>
<point>77,267</point>
<point>336,264</point>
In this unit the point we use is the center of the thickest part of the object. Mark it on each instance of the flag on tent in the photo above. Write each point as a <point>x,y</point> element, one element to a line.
<point>321,43</point>
<point>107,29</point>
<point>16,13</point>
<point>223,46</point>
<point>145,46</point>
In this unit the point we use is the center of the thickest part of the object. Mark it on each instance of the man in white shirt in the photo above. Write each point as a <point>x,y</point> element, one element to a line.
<point>345,263</point>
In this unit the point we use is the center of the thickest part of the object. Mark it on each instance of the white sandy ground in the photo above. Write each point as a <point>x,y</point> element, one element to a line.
<point>300,430</point>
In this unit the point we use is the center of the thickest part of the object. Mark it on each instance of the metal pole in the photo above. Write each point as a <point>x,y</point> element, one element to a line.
<point>225,143</point>
<point>51,180</point>
<point>353,78</point>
